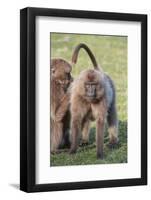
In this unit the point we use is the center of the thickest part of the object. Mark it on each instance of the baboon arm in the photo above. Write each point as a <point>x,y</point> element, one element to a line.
<point>62,108</point>
<point>99,111</point>
<point>85,131</point>
<point>75,130</point>
<point>79,109</point>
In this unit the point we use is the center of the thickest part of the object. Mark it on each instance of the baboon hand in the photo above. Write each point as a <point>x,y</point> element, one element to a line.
<point>100,156</point>
<point>72,151</point>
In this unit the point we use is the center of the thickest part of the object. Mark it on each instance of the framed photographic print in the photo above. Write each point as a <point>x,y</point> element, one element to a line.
<point>83,99</point>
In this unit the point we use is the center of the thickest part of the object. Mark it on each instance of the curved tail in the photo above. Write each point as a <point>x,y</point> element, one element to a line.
<point>85,47</point>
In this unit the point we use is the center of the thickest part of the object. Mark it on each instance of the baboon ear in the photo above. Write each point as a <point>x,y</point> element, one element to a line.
<point>68,69</point>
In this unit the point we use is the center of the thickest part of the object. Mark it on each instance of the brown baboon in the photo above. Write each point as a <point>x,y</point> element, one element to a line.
<point>92,98</point>
<point>60,115</point>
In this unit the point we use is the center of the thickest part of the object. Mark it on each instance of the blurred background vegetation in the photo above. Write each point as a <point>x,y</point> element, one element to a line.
<point>111,54</point>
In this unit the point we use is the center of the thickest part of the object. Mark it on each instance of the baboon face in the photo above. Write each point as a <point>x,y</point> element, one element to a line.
<point>93,88</point>
<point>90,89</point>
<point>93,92</point>
<point>60,71</point>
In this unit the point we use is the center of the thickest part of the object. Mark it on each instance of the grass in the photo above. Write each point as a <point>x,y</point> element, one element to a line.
<point>111,54</point>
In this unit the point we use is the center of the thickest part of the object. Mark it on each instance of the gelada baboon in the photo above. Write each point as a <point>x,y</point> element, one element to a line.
<point>92,98</point>
<point>59,104</point>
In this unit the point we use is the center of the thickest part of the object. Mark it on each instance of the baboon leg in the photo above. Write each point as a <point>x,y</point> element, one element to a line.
<point>112,126</point>
<point>99,137</point>
<point>66,130</point>
<point>75,132</point>
<point>56,136</point>
<point>85,132</point>
<point>66,138</point>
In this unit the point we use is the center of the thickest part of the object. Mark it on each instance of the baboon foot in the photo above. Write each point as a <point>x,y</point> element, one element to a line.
<point>58,151</point>
<point>66,145</point>
<point>100,156</point>
<point>72,151</point>
<point>54,152</point>
<point>114,143</point>
<point>83,143</point>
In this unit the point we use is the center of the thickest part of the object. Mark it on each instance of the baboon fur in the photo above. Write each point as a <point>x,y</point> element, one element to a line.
<point>59,104</point>
<point>92,98</point>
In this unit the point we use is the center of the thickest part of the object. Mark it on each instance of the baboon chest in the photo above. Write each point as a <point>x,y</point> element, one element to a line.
<point>93,112</point>
<point>89,115</point>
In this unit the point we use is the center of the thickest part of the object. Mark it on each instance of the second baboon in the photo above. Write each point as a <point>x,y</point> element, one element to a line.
<point>92,98</point>
<point>59,103</point>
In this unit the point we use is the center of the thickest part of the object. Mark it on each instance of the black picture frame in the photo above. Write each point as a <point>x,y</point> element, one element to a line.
<point>28,98</point>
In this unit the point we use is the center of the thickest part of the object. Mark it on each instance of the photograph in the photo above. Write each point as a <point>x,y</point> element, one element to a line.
<point>83,84</point>
<point>88,99</point>
<point>75,93</point>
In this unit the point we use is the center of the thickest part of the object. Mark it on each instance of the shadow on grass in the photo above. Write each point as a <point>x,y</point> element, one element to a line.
<point>87,155</point>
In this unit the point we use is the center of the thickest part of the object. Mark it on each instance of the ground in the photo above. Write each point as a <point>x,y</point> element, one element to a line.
<point>111,54</point>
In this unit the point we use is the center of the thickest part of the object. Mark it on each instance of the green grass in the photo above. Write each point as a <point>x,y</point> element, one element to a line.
<point>111,54</point>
